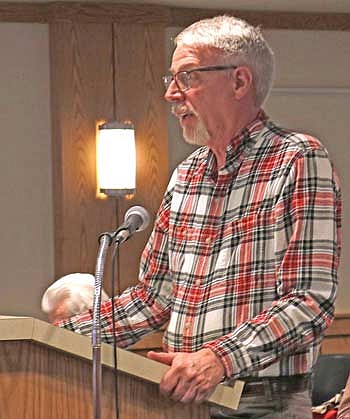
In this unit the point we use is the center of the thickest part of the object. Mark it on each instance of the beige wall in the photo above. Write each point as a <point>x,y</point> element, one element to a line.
<point>312,93</point>
<point>26,224</point>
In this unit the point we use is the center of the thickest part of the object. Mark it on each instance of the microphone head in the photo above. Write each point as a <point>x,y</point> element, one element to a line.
<point>139,212</point>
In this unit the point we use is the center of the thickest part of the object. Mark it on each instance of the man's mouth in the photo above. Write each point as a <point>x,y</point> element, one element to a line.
<point>185,115</point>
<point>182,112</point>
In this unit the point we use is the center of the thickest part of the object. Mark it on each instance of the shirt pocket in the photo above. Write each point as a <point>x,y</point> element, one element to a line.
<point>239,230</point>
<point>234,236</point>
<point>185,237</point>
<point>191,250</point>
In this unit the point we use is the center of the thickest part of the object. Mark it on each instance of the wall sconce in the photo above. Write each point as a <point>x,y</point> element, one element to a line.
<point>116,159</point>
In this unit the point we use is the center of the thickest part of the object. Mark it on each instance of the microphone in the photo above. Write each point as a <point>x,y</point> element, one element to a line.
<point>135,219</point>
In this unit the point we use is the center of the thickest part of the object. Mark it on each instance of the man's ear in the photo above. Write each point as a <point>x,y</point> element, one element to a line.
<point>242,82</point>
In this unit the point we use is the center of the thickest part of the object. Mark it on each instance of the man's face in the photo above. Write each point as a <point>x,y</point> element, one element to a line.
<point>194,132</point>
<point>60,311</point>
<point>203,110</point>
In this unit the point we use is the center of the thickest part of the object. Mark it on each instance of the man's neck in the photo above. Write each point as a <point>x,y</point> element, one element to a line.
<point>219,144</point>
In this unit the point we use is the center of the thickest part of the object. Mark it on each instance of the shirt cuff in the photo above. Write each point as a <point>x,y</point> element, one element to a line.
<point>233,355</point>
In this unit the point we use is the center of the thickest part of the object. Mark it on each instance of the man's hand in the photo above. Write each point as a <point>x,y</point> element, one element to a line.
<point>192,377</point>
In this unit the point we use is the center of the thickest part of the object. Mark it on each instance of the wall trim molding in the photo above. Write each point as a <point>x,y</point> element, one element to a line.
<point>89,12</point>
<point>304,91</point>
<point>337,338</point>
<point>268,20</point>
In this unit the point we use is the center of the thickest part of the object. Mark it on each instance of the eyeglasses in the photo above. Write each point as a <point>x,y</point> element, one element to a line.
<point>183,79</point>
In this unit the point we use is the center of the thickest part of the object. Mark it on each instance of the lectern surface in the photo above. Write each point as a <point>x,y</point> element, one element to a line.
<point>45,372</point>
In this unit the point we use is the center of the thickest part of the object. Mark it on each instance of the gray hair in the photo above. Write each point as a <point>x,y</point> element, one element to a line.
<point>78,291</point>
<point>235,38</point>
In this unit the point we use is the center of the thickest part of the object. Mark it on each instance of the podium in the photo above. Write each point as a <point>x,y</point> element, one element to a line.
<point>46,373</point>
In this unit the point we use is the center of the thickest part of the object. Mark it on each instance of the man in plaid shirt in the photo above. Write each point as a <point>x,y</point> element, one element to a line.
<point>242,261</point>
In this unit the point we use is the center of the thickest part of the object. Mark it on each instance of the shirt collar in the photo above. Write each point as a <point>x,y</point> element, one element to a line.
<point>240,145</point>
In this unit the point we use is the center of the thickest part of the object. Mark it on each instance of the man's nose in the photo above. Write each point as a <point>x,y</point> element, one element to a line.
<point>173,93</point>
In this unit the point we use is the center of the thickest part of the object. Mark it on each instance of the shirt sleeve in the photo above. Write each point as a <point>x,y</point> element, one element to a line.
<point>143,308</point>
<point>307,250</point>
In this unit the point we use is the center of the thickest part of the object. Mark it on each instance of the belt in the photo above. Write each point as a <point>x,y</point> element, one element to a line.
<point>267,386</point>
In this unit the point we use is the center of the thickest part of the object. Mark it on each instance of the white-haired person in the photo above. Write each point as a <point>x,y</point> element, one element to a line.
<point>242,261</point>
<point>70,295</point>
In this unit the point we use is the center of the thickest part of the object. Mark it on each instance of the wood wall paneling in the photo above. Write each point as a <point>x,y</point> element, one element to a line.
<point>104,72</point>
<point>82,85</point>
<point>24,12</point>
<point>140,64</point>
<point>108,12</point>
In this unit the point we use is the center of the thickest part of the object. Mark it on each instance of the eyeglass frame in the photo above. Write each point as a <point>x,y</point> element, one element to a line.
<point>169,78</point>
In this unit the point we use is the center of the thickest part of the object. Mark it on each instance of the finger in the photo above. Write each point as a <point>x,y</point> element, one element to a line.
<point>163,357</point>
<point>177,380</point>
<point>168,385</point>
<point>204,394</point>
<point>183,394</point>
<point>195,390</point>
<point>187,383</point>
<point>189,396</point>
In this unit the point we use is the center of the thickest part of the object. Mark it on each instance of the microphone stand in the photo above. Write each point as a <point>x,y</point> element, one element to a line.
<point>119,236</point>
<point>105,241</point>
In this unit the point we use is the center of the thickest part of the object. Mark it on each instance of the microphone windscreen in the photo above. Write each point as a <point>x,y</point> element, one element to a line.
<point>142,213</point>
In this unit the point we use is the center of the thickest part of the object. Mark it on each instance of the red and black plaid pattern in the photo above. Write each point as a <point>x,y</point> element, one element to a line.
<point>242,260</point>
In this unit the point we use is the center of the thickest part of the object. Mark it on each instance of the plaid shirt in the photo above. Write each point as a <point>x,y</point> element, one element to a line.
<point>242,260</point>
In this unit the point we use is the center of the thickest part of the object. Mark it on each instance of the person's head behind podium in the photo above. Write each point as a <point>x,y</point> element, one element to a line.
<point>70,295</point>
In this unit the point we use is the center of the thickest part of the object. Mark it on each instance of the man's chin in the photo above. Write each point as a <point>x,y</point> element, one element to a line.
<point>195,138</point>
<point>194,141</point>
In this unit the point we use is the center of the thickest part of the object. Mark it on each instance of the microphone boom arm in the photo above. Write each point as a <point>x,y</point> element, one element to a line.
<point>105,240</point>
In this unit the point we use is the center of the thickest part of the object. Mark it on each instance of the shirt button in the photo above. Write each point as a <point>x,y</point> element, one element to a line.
<point>168,289</point>
<point>208,240</point>
<point>198,282</point>
<point>187,326</point>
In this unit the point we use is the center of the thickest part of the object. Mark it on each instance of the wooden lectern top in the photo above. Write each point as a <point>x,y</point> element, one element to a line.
<point>34,330</point>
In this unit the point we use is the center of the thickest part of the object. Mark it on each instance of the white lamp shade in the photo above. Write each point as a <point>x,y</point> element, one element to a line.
<point>116,159</point>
